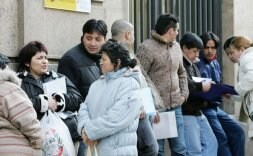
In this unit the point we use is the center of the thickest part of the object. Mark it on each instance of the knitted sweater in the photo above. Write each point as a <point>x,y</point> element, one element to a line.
<point>164,65</point>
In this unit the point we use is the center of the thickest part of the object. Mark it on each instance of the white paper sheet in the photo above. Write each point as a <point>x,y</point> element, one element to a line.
<point>147,101</point>
<point>55,86</point>
<point>201,79</point>
<point>167,127</point>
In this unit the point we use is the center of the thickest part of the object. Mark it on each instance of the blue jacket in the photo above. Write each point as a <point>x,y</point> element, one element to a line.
<point>210,69</point>
<point>110,113</point>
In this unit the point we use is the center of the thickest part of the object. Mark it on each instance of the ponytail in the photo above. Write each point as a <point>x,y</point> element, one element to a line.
<point>133,63</point>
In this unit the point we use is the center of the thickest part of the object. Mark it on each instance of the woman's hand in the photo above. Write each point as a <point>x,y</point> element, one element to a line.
<point>52,104</point>
<point>86,140</point>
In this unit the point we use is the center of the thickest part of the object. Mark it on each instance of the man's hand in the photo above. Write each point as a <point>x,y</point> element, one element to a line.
<point>206,86</point>
<point>142,115</point>
<point>156,118</point>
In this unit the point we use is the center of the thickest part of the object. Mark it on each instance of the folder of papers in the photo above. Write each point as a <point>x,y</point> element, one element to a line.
<point>57,85</point>
<point>147,101</point>
<point>216,91</point>
<point>167,127</point>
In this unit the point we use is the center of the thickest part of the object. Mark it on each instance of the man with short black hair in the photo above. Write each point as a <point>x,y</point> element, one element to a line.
<point>161,58</point>
<point>81,63</point>
<point>229,133</point>
<point>199,137</point>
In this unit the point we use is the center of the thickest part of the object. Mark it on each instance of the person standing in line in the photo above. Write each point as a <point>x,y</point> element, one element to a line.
<point>123,32</point>
<point>110,114</point>
<point>234,58</point>
<point>241,52</point>
<point>199,137</point>
<point>81,63</point>
<point>20,130</point>
<point>229,134</point>
<point>161,58</point>
<point>33,71</point>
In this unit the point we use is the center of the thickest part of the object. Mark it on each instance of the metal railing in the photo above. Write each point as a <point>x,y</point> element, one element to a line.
<point>197,16</point>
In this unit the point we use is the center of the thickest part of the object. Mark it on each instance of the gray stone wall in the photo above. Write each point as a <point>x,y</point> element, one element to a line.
<point>26,20</point>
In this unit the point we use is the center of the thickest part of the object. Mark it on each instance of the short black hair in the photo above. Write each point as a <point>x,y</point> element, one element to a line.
<point>4,61</point>
<point>115,51</point>
<point>205,37</point>
<point>228,42</point>
<point>94,25</point>
<point>191,40</point>
<point>27,52</point>
<point>165,22</point>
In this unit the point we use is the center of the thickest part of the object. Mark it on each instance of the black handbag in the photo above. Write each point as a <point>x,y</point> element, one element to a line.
<point>71,123</point>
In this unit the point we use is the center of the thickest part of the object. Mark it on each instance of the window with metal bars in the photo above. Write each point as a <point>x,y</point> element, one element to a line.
<point>197,16</point>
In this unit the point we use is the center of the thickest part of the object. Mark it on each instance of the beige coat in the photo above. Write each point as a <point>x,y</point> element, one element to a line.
<point>20,131</point>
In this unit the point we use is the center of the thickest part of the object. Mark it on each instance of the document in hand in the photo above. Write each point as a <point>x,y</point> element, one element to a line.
<point>57,85</point>
<point>216,91</point>
<point>167,127</point>
<point>148,101</point>
<point>201,79</point>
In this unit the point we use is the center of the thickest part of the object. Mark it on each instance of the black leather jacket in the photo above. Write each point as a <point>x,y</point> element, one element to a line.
<point>194,104</point>
<point>34,88</point>
<point>80,67</point>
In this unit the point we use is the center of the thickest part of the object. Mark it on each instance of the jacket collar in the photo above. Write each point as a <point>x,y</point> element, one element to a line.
<point>9,75</point>
<point>124,72</point>
<point>94,57</point>
<point>186,60</point>
<point>159,38</point>
<point>114,75</point>
<point>27,74</point>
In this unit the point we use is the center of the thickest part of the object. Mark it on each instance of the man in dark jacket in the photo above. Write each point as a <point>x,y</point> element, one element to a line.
<point>229,133</point>
<point>199,137</point>
<point>81,63</point>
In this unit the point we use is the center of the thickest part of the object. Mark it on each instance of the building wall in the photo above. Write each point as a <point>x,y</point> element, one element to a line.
<point>26,20</point>
<point>236,20</point>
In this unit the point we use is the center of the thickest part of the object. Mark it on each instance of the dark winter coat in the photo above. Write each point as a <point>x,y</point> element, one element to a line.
<point>80,67</point>
<point>34,88</point>
<point>194,104</point>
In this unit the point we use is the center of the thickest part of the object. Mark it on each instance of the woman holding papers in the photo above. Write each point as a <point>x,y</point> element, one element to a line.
<point>62,95</point>
<point>199,137</point>
<point>229,133</point>
<point>110,113</point>
<point>33,68</point>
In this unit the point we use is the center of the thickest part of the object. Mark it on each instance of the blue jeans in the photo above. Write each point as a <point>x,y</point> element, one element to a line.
<point>146,142</point>
<point>81,149</point>
<point>177,145</point>
<point>199,137</point>
<point>229,134</point>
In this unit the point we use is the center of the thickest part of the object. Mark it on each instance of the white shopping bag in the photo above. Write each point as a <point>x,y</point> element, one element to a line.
<point>167,127</point>
<point>57,141</point>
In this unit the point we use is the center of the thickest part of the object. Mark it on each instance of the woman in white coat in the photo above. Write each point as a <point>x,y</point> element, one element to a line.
<point>241,51</point>
<point>110,113</point>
